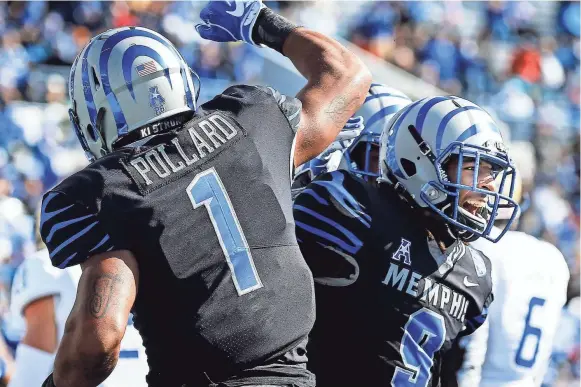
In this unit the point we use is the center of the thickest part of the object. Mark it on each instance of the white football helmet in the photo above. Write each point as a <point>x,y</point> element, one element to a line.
<point>382,103</point>
<point>126,79</point>
<point>418,142</point>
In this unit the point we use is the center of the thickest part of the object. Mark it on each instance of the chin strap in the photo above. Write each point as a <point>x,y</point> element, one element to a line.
<point>424,147</point>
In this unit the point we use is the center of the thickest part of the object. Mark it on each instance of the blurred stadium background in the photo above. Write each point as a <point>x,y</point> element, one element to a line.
<point>520,60</point>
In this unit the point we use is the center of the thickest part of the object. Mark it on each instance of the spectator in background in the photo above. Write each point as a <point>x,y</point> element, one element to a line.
<point>526,62</point>
<point>374,32</point>
<point>521,59</point>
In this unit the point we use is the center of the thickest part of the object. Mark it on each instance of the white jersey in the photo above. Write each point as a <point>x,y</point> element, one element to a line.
<point>36,278</point>
<point>513,347</point>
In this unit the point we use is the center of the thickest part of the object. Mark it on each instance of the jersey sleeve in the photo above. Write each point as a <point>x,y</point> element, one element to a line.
<point>290,106</point>
<point>71,231</point>
<point>332,220</point>
<point>475,321</point>
<point>34,279</point>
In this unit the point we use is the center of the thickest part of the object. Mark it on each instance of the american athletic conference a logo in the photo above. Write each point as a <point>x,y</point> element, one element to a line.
<point>156,101</point>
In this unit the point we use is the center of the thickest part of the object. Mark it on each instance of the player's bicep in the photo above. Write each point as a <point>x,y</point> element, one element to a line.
<point>71,231</point>
<point>107,288</point>
<point>105,296</point>
<point>324,112</point>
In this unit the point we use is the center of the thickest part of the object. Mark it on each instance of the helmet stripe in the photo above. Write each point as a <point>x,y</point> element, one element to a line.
<point>72,77</point>
<point>445,120</point>
<point>475,129</point>
<point>106,51</point>
<point>425,109</point>
<point>386,111</point>
<point>371,97</point>
<point>89,101</point>
<point>127,64</point>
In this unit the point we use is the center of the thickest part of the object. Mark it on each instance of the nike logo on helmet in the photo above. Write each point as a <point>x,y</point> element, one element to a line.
<point>238,11</point>
<point>469,284</point>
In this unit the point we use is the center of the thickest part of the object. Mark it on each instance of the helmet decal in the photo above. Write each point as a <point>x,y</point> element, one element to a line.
<point>106,51</point>
<point>142,59</point>
<point>148,67</point>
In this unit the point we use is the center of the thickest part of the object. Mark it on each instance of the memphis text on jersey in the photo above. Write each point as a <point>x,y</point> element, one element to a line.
<point>402,278</point>
<point>191,145</point>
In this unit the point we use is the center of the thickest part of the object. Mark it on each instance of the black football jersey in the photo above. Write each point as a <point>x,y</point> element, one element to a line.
<point>206,210</point>
<point>389,301</point>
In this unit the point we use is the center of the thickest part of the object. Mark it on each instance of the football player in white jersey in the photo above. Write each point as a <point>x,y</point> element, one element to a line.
<point>513,347</point>
<point>44,296</point>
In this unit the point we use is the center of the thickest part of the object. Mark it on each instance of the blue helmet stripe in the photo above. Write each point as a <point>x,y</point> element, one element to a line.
<point>445,120</point>
<point>127,64</point>
<point>184,73</point>
<point>475,129</point>
<point>371,97</point>
<point>424,110</point>
<point>106,51</point>
<point>89,101</point>
<point>386,111</point>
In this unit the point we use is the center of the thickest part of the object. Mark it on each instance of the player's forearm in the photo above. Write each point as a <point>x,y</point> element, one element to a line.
<point>84,359</point>
<point>337,81</point>
<point>320,58</point>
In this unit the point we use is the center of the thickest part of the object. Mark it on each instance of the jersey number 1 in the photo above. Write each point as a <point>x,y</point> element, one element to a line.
<point>206,189</point>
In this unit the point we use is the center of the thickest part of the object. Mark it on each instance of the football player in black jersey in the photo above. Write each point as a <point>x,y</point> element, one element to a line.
<point>396,281</point>
<point>184,215</point>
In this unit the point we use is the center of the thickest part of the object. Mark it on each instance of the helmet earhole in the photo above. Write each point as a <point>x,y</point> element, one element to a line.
<point>95,79</point>
<point>408,166</point>
<point>99,124</point>
<point>92,133</point>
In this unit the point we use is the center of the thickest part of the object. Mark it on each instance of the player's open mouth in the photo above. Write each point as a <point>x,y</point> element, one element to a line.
<point>474,206</point>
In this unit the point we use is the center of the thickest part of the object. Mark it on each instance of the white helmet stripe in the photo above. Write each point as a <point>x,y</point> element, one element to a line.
<point>445,121</point>
<point>425,109</point>
<point>477,128</point>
